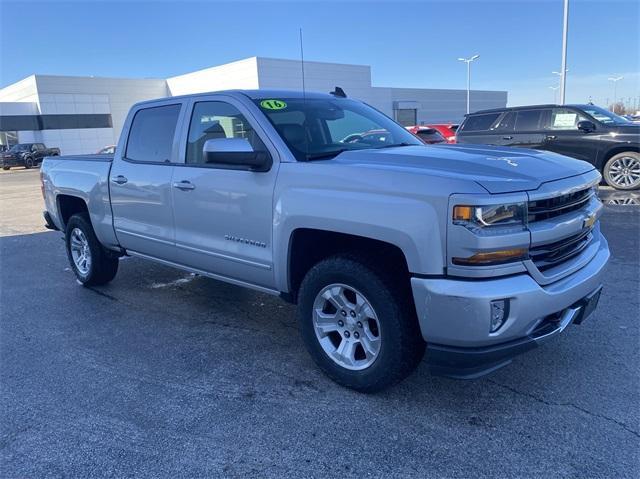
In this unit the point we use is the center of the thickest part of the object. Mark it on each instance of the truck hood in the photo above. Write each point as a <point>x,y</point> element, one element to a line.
<point>496,169</point>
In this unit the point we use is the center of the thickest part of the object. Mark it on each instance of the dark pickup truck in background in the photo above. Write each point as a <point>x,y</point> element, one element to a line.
<point>26,154</point>
<point>585,132</point>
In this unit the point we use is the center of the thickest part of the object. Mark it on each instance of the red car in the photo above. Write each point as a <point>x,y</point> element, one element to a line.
<point>427,134</point>
<point>448,130</point>
<point>435,133</point>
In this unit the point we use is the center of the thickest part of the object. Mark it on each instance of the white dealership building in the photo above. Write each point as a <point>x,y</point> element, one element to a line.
<point>83,114</point>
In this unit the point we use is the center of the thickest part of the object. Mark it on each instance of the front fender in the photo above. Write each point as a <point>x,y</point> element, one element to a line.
<point>408,223</point>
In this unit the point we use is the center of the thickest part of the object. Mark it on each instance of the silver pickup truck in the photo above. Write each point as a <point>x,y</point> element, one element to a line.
<point>388,247</point>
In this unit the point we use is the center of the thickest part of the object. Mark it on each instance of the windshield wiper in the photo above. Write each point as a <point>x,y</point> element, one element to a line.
<point>326,154</point>
<point>396,144</point>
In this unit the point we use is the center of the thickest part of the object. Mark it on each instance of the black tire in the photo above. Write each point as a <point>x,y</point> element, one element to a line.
<point>103,266</point>
<point>6,168</point>
<point>402,346</point>
<point>608,173</point>
<point>28,163</point>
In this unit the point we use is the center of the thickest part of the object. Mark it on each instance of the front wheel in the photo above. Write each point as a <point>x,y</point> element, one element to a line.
<point>5,168</point>
<point>28,163</point>
<point>622,171</point>
<point>91,263</point>
<point>359,329</point>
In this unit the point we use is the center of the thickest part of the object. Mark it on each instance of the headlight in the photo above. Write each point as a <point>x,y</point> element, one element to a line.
<point>494,215</point>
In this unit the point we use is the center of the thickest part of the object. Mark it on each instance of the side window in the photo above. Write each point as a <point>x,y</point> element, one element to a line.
<point>151,134</point>
<point>480,122</point>
<point>564,119</point>
<point>507,122</point>
<point>528,120</point>
<point>217,119</point>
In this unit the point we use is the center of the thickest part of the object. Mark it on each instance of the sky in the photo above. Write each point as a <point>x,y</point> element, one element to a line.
<point>407,44</point>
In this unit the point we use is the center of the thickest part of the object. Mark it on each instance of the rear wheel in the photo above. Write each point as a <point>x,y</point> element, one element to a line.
<point>90,261</point>
<point>28,162</point>
<point>359,328</point>
<point>622,171</point>
<point>6,168</point>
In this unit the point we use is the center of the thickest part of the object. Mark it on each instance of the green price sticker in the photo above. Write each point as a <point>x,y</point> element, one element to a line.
<point>273,104</point>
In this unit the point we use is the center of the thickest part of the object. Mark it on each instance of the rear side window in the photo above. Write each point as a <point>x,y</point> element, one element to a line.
<point>479,122</point>
<point>507,122</point>
<point>528,120</point>
<point>430,136</point>
<point>151,135</point>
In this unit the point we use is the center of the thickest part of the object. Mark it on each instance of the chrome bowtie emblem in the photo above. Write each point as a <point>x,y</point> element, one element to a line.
<point>589,221</point>
<point>509,161</point>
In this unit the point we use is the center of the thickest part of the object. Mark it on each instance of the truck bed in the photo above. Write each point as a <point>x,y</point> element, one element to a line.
<point>85,177</point>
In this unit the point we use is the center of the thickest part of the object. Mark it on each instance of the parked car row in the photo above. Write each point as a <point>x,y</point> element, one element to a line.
<point>26,154</point>
<point>585,132</point>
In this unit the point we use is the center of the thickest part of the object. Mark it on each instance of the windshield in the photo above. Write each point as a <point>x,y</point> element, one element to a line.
<point>605,116</point>
<point>322,128</point>
<point>20,147</point>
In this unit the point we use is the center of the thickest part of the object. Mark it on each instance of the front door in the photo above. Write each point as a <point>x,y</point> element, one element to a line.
<point>224,216</point>
<point>562,135</point>
<point>140,182</point>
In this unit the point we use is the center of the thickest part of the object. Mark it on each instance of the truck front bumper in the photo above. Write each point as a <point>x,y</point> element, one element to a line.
<point>454,315</point>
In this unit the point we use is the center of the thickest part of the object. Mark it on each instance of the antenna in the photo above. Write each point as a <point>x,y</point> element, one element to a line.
<point>302,65</point>
<point>304,97</point>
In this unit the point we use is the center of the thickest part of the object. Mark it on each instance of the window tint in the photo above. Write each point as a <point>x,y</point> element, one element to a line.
<point>507,122</point>
<point>430,136</point>
<point>152,132</point>
<point>564,119</point>
<point>480,122</point>
<point>528,120</point>
<point>216,119</point>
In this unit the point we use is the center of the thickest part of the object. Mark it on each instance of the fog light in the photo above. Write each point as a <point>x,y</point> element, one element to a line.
<point>499,312</point>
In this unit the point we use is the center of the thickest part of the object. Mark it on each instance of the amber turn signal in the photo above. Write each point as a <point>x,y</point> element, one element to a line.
<point>462,213</point>
<point>492,257</point>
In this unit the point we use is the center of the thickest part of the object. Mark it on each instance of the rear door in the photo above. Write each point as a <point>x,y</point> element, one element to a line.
<point>140,180</point>
<point>224,216</point>
<point>528,132</point>
<point>562,135</point>
<point>477,128</point>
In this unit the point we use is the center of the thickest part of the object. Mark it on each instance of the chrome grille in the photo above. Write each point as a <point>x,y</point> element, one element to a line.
<point>548,255</point>
<point>559,205</point>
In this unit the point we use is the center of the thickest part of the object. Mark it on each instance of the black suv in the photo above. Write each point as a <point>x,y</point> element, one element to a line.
<point>586,132</point>
<point>26,154</point>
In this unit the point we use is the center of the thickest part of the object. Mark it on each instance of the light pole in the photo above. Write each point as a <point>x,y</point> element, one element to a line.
<point>615,81</point>
<point>555,93</point>
<point>560,80</point>
<point>468,62</point>
<point>563,69</point>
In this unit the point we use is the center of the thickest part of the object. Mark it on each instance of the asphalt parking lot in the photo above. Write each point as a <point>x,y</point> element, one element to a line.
<point>162,373</point>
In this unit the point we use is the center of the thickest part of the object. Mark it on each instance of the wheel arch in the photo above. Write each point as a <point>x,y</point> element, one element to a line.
<point>308,246</point>
<point>69,205</point>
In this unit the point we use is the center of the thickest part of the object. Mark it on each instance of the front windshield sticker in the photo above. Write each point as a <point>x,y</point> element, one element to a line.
<point>273,104</point>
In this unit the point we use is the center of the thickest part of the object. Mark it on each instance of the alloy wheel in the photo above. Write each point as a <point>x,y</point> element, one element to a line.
<point>625,172</point>
<point>80,251</point>
<point>346,326</point>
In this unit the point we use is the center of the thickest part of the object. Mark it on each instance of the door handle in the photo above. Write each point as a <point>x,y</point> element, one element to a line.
<point>507,138</point>
<point>120,180</point>
<point>551,137</point>
<point>184,185</point>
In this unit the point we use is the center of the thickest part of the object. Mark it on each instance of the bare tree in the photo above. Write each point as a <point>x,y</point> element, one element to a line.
<point>618,108</point>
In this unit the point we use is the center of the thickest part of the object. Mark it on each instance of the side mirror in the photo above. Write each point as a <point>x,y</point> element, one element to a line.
<point>586,126</point>
<point>235,152</point>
